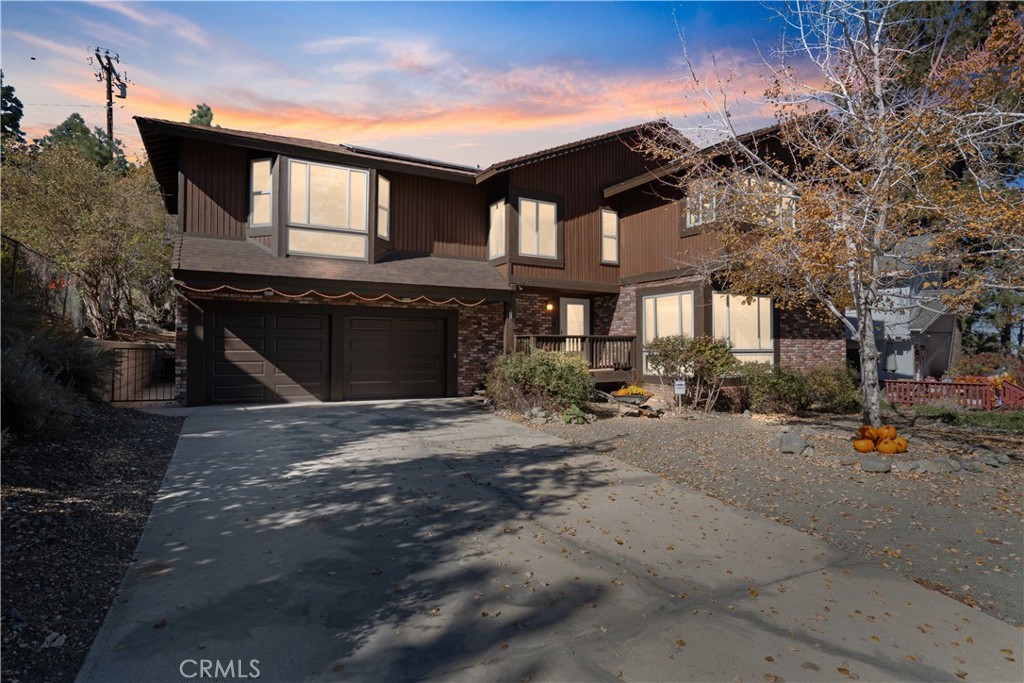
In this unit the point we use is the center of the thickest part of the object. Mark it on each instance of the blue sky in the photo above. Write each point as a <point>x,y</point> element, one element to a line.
<point>470,82</point>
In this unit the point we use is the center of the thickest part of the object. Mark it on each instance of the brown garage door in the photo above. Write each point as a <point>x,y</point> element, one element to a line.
<point>268,357</point>
<point>394,357</point>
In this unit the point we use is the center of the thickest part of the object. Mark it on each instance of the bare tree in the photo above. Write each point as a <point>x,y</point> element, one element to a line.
<point>868,176</point>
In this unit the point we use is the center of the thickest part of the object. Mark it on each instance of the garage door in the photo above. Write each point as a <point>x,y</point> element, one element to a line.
<point>394,357</point>
<point>268,357</point>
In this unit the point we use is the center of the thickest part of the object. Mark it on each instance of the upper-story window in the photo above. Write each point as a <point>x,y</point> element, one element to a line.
<point>260,193</point>
<point>496,231</point>
<point>609,236</point>
<point>538,228</point>
<point>746,323</point>
<point>327,210</point>
<point>383,208</point>
<point>701,202</point>
<point>327,196</point>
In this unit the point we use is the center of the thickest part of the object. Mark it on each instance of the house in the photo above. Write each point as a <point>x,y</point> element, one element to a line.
<point>310,270</point>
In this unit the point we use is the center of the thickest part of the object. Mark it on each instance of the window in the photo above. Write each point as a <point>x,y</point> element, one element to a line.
<point>701,202</point>
<point>609,236</point>
<point>746,326</point>
<point>665,315</point>
<point>260,195</point>
<point>383,208</point>
<point>327,210</point>
<point>538,229</point>
<point>327,196</point>
<point>496,233</point>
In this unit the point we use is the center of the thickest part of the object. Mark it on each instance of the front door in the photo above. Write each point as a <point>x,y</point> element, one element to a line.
<point>574,322</point>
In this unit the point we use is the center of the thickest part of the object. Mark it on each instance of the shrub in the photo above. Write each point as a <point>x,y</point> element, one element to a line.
<point>552,380</point>
<point>47,369</point>
<point>947,411</point>
<point>668,357</point>
<point>774,389</point>
<point>703,361</point>
<point>832,390</point>
<point>981,364</point>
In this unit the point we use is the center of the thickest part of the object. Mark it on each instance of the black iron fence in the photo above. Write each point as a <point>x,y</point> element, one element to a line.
<point>143,374</point>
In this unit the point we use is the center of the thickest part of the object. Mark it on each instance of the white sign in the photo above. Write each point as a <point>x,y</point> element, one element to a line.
<point>680,385</point>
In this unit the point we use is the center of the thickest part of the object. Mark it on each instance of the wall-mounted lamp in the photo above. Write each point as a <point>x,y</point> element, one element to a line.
<point>549,306</point>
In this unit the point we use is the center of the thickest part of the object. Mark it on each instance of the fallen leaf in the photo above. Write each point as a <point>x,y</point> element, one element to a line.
<point>753,592</point>
<point>961,674</point>
<point>681,643</point>
<point>503,646</point>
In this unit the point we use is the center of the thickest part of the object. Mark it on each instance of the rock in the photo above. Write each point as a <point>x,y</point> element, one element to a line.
<point>788,442</point>
<point>928,467</point>
<point>536,410</point>
<point>973,466</point>
<point>942,465</point>
<point>980,450</point>
<point>747,414</point>
<point>539,421</point>
<point>808,452</point>
<point>905,466</point>
<point>954,464</point>
<point>591,418</point>
<point>53,640</point>
<point>989,460</point>
<point>875,465</point>
<point>1003,458</point>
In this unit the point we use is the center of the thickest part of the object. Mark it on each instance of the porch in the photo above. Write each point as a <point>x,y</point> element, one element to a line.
<point>611,357</point>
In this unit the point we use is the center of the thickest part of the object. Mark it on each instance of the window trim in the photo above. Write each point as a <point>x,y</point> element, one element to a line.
<point>615,237</point>
<point>642,314</point>
<point>316,226</point>
<point>695,189</point>
<point>503,245</point>
<point>385,234</point>
<point>260,229</point>
<point>555,237</point>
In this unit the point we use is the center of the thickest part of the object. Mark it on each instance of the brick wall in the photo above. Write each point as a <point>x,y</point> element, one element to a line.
<point>602,313</point>
<point>807,341</point>
<point>531,315</point>
<point>623,320</point>
<point>181,305</point>
<point>480,330</point>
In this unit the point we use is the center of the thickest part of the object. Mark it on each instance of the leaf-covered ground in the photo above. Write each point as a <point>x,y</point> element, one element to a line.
<point>72,513</point>
<point>958,533</point>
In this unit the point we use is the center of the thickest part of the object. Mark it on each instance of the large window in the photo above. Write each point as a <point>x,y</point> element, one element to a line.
<point>538,229</point>
<point>665,315</point>
<point>747,326</point>
<point>327,196</point>
<point>260,193</point>
<point>609,236</point>
<point>496,231</point>
<point>327,210</point>
<point>383,208</point>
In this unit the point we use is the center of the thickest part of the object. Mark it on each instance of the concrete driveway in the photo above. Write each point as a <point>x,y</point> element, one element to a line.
<point>426,540</point>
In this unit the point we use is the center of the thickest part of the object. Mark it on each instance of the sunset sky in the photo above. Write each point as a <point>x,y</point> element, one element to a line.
<point>468,82</point>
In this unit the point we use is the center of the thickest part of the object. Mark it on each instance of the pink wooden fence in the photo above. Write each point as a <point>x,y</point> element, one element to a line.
<point>910,392</point>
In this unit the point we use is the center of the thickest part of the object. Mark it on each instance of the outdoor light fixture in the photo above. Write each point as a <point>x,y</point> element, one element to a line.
<point>550,306</point>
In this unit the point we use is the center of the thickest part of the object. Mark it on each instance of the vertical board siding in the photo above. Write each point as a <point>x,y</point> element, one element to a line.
<point>577,179</point>
<point>216,189</point>
<point>650,227</point>
<point>443,218</point>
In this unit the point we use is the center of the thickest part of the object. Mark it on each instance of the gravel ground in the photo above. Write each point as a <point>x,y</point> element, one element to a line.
<point>72,513</point>
<point>959,533</point>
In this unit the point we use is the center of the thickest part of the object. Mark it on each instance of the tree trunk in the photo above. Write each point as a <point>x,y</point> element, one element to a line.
<point>868,365</point>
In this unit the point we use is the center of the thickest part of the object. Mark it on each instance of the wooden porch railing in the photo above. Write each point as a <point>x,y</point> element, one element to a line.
<point>602,352</point>
<point>911,392</point>
<point>1013,396</point>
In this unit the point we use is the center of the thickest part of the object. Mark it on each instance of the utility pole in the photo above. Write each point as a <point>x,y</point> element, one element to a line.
<point>105,72</point>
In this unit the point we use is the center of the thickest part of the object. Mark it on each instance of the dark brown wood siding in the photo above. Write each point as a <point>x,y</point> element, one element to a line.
<point>437,217</point>
<point>576,180</point>
<point>216,189</point>
<point>649,228</point>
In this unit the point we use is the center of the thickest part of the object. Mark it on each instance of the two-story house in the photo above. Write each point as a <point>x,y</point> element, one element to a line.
<point>309,270</point>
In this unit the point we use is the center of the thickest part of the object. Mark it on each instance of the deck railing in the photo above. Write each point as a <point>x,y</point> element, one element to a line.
<point>1013,396</point>
<point>608,352</point>
<point>968,395</point>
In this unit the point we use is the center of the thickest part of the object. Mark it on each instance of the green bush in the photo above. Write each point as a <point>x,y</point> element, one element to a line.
<point>832,390</point>
<point>771,389</point>
<point>550,379</point>
<point>47,369</point>
<point>705,363</point>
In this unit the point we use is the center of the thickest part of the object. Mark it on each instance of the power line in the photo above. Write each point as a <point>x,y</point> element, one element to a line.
<point>40,104</point>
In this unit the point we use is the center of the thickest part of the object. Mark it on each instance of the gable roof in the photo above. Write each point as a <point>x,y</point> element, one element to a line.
<point>568,148</point>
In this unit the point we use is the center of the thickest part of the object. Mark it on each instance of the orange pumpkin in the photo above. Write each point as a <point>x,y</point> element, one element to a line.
<point>886,446</point>
<point>886,432</point>
<point>864,445</point>
<point>901,444</point>
<point>867,432</point>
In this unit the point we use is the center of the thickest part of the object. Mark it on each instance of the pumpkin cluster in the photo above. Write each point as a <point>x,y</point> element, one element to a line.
<point>882,439</point>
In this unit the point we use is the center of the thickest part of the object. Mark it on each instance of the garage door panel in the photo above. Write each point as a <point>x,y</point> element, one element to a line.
<point>395,357</point>
<point>268,357</point>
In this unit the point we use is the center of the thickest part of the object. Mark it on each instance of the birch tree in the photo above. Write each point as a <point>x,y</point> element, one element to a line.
<point>868,177</point>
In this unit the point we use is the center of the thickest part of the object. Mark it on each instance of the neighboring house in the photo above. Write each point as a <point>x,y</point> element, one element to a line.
<point>314,270</point>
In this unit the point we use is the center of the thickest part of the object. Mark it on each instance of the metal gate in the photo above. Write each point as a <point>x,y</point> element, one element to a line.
<point>143,375</point>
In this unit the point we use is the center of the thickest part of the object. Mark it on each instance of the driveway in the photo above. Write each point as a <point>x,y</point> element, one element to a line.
<point>425,540</point>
